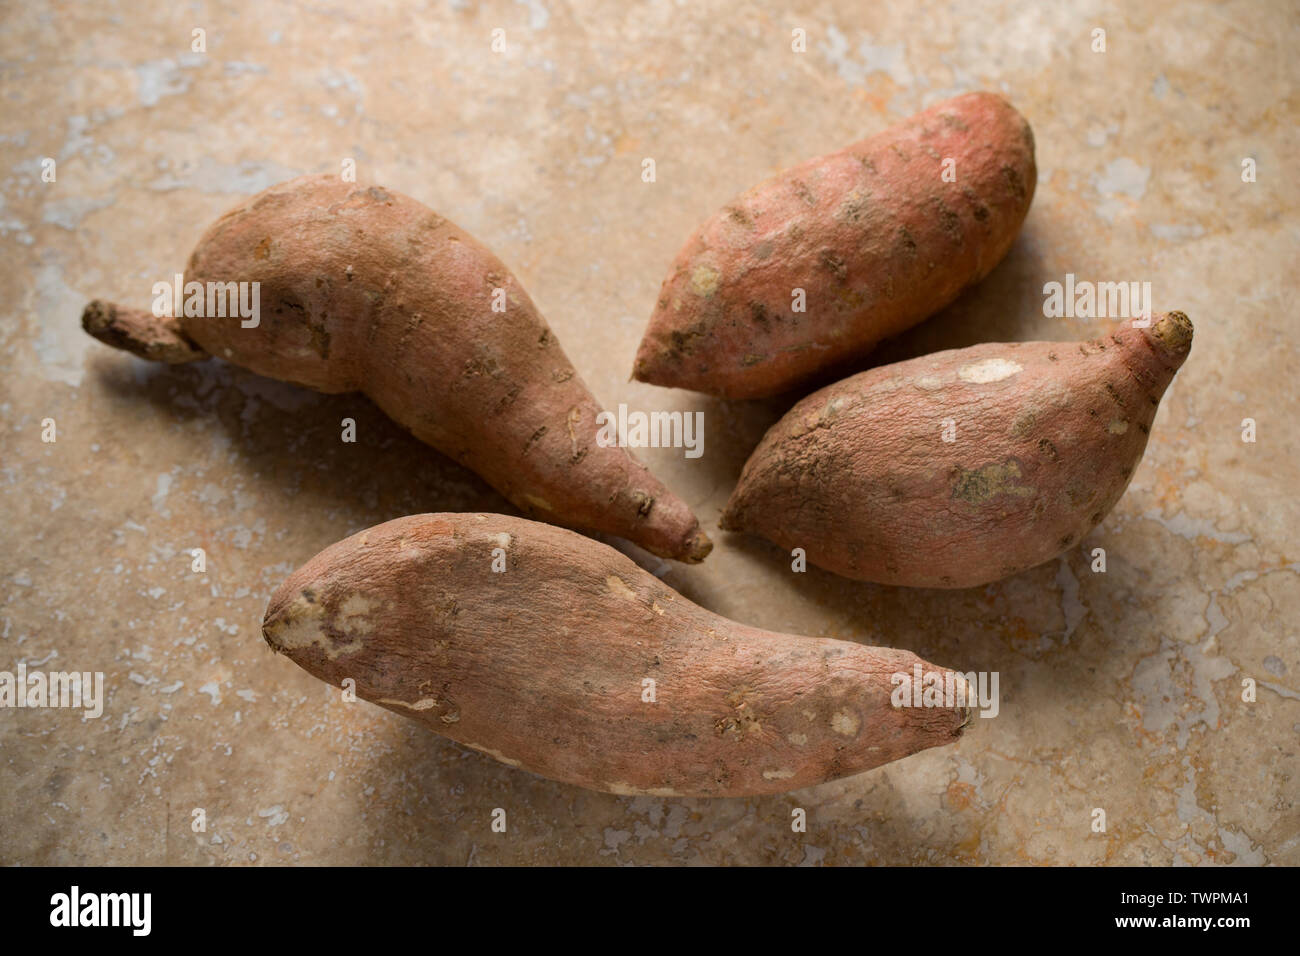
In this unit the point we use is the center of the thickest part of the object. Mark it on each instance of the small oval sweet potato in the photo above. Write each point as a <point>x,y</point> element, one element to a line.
<point>962,467</point>
<point>873,235</point>
<point>364,289</point>
<point>570,661</point>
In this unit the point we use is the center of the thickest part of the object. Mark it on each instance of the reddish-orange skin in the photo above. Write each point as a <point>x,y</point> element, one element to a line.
<point>872,234</point>
<point>860,476</point>
<point>364,289</point>
<point>545,664</point>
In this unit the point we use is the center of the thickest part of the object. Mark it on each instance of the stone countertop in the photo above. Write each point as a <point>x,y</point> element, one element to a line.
<point>1120,691</point>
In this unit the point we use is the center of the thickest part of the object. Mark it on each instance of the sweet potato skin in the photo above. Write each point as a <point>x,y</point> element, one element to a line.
<point>543,665</point>
<point>872,234</point>
<point>1047,436</point>
<point>364,289</point>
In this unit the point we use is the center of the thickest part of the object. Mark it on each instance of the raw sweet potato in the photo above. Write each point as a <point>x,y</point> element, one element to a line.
<point>873,235</point>
<point>364,289</point>
<point>570,661</point>
<point>961,467</point>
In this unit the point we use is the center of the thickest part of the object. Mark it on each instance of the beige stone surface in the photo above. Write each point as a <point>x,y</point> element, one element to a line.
<point>1120,691</point>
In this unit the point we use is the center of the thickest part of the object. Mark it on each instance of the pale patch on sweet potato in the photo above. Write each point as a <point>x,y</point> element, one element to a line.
<point>989,482</point>
<point>619,587</point>
<point>845,723</point>
<point>353,615</point>
<point>627,790</point>
<point>298,626</point>
<point>427,703</point>
<point>704,281</point>
<point>494,754</point>
<point>988,370</point>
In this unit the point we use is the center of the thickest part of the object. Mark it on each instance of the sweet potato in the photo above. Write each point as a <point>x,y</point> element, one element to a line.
<point>364,289</point>
<point>962,467</point>
<point>572,662</point>
<point>873,235</point>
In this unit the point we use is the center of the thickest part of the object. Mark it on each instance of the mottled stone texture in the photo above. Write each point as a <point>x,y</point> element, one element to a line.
<point>1120,691</point>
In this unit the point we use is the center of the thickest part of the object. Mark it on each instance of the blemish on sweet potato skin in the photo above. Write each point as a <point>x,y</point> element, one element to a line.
<point>542,666</point>
<point>979,485</point>
<point>858,475</point>
<point>365,289</point>
<point>882,220</point>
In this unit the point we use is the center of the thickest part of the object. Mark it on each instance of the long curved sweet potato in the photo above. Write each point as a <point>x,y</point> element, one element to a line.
<point>1044,439</point>
<point>875,236</point>
<point>572,662</point>
<point>364,289</point>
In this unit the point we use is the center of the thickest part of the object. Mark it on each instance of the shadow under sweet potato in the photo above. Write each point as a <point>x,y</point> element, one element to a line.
<point>290,440</point>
